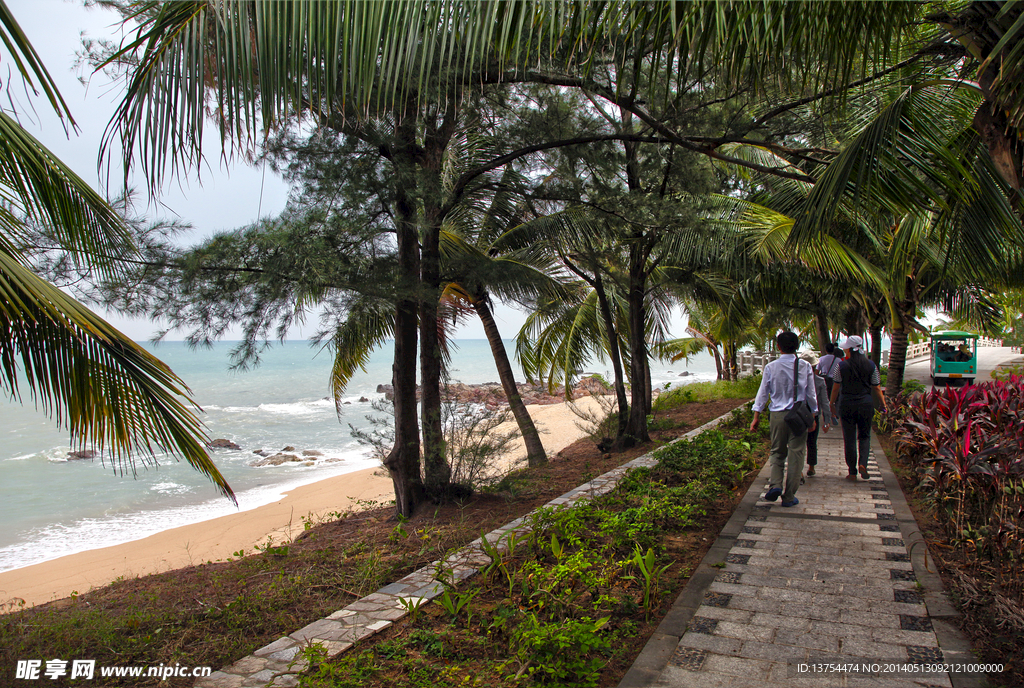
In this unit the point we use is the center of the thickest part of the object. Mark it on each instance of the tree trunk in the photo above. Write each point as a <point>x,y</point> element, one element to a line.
<point>733,366</point>
<point>876,344</point>
<point>535,454</point>
<point>636,427</point>
<point>616,356</point>
<point>437,473</point>
<point>403,462</point>
<point>897,362</point>
<point>821,325</point>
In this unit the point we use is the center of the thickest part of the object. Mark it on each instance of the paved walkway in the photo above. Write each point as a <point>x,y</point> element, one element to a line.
<point>829,581</point>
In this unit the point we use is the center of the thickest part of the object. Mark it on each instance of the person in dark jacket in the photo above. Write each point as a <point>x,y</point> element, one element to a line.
<point>858,385</point>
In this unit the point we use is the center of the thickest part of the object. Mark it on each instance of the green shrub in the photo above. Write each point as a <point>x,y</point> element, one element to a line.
<point>567,652</point>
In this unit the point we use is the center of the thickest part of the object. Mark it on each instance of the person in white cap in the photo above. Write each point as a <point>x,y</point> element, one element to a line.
<point>858,381</point>
<point>788,449</point>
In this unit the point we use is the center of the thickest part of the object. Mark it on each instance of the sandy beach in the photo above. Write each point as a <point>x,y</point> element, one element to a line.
<point>217,539</point>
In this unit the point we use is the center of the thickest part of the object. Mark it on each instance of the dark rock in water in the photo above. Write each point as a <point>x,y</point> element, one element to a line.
<point>288,448</point>
<point>684,373</point>
<point>311,452</point>
<point>262,452</point>
<point>385,389</point>
<point>84,454</point>
<point>347,403</point>
<point>276,460</point>
<point>363,400</point>
<point>223,444</point>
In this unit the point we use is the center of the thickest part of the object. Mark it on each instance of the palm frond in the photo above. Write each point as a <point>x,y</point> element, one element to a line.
<point>93,379</point>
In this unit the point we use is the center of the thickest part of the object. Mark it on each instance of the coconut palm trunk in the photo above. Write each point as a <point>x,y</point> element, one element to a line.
<point>821,327</point>
<point>875,331</point>
<point>535,454</point>
<point>897,362</point>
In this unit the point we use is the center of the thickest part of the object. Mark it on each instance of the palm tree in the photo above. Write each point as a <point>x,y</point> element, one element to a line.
<point>103,387</point>
<point>911,213</point>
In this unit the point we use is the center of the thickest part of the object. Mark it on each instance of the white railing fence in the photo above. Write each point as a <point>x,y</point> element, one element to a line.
<point>749,361</point>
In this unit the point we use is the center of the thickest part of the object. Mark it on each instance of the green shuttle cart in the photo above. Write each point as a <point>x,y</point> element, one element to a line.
<point>954,358</point>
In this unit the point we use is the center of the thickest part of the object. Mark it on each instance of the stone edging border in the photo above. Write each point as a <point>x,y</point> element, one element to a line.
<point>278,664</point>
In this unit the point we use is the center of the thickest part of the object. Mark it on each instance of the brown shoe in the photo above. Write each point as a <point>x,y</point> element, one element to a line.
<point>864,472</point>
<point>810,470</point>
<point>851,476</point>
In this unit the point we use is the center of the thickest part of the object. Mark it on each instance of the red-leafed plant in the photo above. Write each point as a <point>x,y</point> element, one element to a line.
<point>967,445</point>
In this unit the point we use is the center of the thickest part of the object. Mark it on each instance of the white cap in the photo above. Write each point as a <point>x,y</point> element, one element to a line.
<point>853,343</point>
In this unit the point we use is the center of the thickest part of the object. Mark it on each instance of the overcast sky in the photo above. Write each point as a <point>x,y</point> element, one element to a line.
<point>227,197</point>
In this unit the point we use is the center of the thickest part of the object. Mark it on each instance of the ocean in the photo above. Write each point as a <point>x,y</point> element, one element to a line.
<point>52,506</point>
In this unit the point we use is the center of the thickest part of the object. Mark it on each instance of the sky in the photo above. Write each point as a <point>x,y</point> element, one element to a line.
<point>224,197</point>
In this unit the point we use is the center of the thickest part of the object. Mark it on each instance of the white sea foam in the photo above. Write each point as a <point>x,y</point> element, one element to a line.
<point>171,488</point>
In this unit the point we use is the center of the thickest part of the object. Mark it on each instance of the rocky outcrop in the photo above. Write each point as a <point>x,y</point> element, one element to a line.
<point>223,444</point>
<point>277,460</point>
<point>83,454</point>
<point>311,452</point>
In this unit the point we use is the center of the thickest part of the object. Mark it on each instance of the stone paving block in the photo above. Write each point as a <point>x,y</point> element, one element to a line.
<point>722,613</point>
<point>688,658</point>
<point>247,665</point>
<point>731,629</point>
<point>325,629</point>
<point>900,637</point>
<point>885,607</point>
<point>869,649</point>
<point>729,577</point>
<point>842,630</point>
<point>753,649</point>
<point>776,621</point>
<point>674,676</point>
<point>259,678</point>
<point>730,588</point>
<point>220,679</point>
<point>702,624</point>
<point>807,639</point>
<point>712,643</point>
<point>752,604</point>
<point>277,645</point>
<point>286,655</point>
<point>785,595</point>
<point>737,666</point>
<point>333,648</point>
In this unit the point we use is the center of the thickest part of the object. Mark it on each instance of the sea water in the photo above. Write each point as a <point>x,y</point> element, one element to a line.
<point>51,506</point>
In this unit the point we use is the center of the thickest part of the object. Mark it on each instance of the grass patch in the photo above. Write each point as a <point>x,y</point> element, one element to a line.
<point>744,388</point>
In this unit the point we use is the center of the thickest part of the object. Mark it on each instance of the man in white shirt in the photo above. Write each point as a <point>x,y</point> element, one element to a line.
<point>776,392</point>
